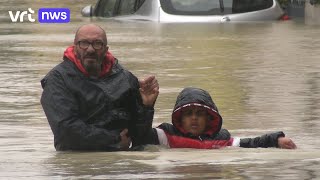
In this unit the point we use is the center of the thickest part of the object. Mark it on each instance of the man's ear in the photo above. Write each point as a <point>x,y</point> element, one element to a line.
<point>107,47</point>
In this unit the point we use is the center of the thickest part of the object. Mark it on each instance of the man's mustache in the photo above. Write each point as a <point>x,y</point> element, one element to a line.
<point>91,56</point>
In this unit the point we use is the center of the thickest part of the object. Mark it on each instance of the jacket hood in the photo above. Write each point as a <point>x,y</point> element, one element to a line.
<point>201,98</point>
<point>106,64</point>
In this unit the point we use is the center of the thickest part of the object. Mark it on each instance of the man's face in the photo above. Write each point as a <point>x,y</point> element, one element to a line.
<point>194,120</point>
<point>90,48</point>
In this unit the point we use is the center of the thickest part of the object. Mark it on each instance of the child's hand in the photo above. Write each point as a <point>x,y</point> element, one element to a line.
<point>286,143</point>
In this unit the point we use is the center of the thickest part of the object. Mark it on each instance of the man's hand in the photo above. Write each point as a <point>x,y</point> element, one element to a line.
<point>125,140</point>
<point>286,143</point>
<point>149,90</point>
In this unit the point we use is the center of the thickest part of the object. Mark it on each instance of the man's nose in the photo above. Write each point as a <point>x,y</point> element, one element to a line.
<point>90,48</point>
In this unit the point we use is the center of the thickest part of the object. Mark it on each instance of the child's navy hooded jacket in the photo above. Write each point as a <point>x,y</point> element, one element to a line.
<point>174,136</point>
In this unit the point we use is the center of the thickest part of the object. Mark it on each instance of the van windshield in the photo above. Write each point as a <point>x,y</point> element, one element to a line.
<point>213,7</point>
<point>109,8</point>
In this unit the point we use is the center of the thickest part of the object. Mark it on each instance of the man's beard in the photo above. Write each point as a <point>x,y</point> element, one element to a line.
<point>92,68</point>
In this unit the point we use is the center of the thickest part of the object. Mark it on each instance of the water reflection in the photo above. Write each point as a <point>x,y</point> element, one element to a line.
<point>184,164</point>
<point>264,77</point>
<point>312,108</point>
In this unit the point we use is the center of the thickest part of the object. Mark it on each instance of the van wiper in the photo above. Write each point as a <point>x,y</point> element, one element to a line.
<point>221,6</point>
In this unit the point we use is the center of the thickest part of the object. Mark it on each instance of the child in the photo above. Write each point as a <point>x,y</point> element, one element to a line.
<point>196,123</point>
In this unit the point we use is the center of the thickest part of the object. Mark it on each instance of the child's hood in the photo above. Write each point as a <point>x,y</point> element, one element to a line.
<point>197,97</point>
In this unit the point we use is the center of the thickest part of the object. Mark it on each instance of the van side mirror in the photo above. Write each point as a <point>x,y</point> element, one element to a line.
<point>87,11</point>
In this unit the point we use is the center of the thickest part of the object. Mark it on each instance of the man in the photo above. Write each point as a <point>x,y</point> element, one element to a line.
<point>92,103</point>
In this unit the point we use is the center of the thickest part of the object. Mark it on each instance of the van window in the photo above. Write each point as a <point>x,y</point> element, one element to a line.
<point>106,8</point>
<point>242,6</point>
<point>139,4</point>
<point>127,7</point>
<point>213,7</point>
<point>109,8</point>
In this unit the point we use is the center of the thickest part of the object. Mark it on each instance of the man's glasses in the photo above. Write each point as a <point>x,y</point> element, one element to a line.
<point>97,45</point>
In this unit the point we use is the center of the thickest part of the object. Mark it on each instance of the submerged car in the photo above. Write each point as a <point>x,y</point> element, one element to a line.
<point>187,10</point>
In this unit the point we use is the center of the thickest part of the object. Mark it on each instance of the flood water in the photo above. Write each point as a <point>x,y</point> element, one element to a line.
<point>264,77</point>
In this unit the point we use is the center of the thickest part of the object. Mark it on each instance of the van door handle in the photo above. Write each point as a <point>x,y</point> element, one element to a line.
<point>225,19</point>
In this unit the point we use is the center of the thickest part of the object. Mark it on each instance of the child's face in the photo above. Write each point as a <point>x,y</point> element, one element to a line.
<point>194,120</point>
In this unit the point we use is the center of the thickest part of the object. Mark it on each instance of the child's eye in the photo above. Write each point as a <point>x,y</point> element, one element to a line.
<point>201,113</point>
<point>187,113</point>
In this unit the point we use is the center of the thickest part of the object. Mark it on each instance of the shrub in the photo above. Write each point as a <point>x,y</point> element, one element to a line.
<point>314,2</point>
<point>283,3</point>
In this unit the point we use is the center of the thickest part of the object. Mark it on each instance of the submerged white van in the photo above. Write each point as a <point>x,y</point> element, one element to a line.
<point>187,10</point>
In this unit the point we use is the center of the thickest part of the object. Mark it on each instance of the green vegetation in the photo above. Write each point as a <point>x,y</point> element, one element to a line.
<point>317,1</point>
<point>283,3</point>
<point>314,2</point>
